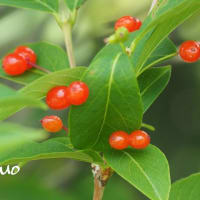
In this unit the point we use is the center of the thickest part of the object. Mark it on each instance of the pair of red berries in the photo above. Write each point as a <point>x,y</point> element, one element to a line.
<point>137,139</point>
<point>130,23</point>
<point>61,97</point>
<point>18,62</point>
<point>190,51</point>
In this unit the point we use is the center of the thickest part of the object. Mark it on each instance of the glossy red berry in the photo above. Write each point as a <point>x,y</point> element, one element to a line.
<point>52,123</point>
<point>27,53</point>
<point>77,93</point>
<point>131,23</point>
<point>189,51</point>
<point>119,140</point>
<point>138,24</point>
<point>57,98</point>
<point>14,65</point>
<point>139,139</point>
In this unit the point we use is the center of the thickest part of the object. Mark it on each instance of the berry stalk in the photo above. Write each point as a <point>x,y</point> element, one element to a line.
<point>65,129</point>
<point>148,126</point>
<point>39,67</point>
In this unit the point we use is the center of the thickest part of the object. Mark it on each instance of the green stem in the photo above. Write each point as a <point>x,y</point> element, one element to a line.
<point>154,2</point>
<point>151,128</point>
<point>132,47</point>
<point>66,19</point>
<point>67,30</point>
<point>123,47</point>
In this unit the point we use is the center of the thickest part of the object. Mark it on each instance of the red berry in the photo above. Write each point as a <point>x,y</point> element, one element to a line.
<point>138,23</point>
<point>189,51</point>
<point>57,98</point>
<point>77,93</point>
<point>131,23</point>
<point>14,64</point>
<point>119,140</point>
<point>139,139</point>
<point>28,54</point>
<point>52,123</point>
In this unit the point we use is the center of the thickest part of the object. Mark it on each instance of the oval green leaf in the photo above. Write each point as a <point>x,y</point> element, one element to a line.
<point>152,82</point>
<point>114,102</point>
<point>41,5</point>
<point>186,189</point>
<point>147,170</point>
<point>11,100</point>
<point>39,88</point>
<point>52,148</point>
<point>13,135</point>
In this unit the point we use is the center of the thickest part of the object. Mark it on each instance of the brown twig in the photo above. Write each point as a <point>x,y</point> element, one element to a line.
<point>101,177</point>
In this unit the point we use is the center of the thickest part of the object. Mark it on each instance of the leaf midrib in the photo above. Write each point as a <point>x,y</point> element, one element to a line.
<point>45,5</point>
<point>155,62</point>
<point>148,179</point>
<point>108,96</point>
<point>155,80</point>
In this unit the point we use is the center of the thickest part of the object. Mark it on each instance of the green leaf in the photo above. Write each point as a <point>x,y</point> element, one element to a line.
<point>52,148</point>
<point>186,189</point>
<point>152,82</point>
<point>114,102</point>
<point>39,88</point>
<point>49,56</point>
<point>164,51</point>
<point>42,5</point>
<point>11,100</point>
<point>146,169</point>
<point>28,187</point>
<point>13,135</point>
<point>74,4</point>
<point>158,28</point>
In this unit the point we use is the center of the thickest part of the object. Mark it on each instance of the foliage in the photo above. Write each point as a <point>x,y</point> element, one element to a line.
<point>122,88</point>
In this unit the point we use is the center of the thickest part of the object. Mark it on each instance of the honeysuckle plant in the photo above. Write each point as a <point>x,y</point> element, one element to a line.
<point>123,83</point>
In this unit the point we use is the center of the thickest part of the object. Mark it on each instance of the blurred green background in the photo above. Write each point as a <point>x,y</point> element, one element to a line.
<point>176,114</point>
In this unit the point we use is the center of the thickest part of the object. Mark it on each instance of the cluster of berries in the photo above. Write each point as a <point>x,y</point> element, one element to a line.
<point>18,62</point>
<point>137,139</point>
<point>61,97</point>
